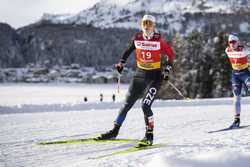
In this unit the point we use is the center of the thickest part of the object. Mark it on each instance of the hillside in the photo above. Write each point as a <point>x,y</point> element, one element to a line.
<point>97,37</point>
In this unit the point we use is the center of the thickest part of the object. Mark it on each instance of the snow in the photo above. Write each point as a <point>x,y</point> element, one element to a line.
<point>42,94</point>
<point>176,6</point>
<point>245,27</point>
<point>115,13</point>
<point>57,18</point>
<point>210,159</point>
<point>182,125</point>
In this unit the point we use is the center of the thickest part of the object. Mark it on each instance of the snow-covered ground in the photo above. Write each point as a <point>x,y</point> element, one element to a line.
<point>182,125</point>
<point>40,94</point>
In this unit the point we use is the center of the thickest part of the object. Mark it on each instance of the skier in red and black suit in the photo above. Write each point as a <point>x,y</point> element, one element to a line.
<point>150,47</point>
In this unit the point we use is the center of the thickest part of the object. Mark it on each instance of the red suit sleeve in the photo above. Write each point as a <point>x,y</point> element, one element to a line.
<point>167,50</point>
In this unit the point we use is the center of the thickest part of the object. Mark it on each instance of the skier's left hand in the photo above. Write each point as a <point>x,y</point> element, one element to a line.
<point>119,67</point>
<point>166,72</point>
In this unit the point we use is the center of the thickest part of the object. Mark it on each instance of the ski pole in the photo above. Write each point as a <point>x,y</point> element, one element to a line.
<point>177,90</point>
<point>118,83</point>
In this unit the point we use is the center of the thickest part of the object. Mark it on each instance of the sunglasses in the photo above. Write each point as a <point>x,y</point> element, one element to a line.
<point>232,42</point>
<point>147,23</point>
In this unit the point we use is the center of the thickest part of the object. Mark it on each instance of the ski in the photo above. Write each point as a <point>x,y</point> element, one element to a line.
<point>136,149</point>
<point>130,150</point>
<point>86,141</point>
<point>228,129</point>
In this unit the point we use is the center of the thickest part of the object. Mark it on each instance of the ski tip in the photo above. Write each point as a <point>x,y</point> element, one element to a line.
<point>229,129</point>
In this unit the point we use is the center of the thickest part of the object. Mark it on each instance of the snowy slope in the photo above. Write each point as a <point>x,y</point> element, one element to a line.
<point>183,128</point>
<point>184,131</point>
<point>127,13</point>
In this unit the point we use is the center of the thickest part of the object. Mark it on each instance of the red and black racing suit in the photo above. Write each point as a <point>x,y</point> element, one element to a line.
<point>148,76</point>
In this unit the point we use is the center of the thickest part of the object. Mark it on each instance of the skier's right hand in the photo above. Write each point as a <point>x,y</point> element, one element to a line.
<point>119,67</point>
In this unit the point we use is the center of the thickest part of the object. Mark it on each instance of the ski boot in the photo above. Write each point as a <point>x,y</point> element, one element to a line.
<point>236,123</point>
<point>110,134</point>
<point>147,140</point>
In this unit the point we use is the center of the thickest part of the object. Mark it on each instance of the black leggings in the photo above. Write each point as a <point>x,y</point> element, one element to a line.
<point>145,84</point>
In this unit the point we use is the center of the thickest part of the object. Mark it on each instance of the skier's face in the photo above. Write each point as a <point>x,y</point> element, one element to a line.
<point>233,44</point>
<point>148,26</point>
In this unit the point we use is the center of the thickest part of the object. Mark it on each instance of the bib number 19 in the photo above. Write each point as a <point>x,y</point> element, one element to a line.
<point>146,55</point>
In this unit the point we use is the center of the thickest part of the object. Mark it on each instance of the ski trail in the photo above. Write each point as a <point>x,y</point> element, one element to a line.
<point>183,129</point>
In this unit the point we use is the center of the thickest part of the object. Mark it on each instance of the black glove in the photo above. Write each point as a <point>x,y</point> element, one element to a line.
<point>166,72</point>
<point>119,67</point>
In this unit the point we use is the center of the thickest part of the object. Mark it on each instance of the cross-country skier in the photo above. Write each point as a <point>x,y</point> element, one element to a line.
<point>150,47</point>
<point>238,56</point>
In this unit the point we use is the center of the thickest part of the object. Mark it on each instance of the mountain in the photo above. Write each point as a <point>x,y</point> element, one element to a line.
<point>197,30</point>
<point>98,35</point>
<point>64,44</point>
<point>10,47</point>
<point>171,15</point>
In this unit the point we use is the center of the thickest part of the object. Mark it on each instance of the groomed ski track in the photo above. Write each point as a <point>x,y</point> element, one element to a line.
<point>183,128</point>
